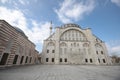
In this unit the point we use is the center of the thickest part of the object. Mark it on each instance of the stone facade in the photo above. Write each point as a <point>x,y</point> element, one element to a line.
<point>15,48</point>
<point>70,44</point>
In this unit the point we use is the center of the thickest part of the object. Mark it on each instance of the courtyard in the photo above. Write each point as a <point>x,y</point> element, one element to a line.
<point>61,72</point>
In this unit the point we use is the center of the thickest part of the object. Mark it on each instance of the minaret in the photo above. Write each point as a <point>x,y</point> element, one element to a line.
<point>51,28</point>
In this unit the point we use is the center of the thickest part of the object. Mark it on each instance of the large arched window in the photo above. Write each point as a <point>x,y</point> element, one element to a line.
<point>73,35</point>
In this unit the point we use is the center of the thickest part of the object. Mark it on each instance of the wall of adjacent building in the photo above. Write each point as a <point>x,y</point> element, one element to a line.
<point>15,48</point>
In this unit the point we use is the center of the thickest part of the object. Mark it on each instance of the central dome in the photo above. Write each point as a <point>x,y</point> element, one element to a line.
<point>70,25</point>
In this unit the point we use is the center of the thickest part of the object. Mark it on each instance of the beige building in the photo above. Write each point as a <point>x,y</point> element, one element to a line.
<point>70,44</point>
<point>15,48</point>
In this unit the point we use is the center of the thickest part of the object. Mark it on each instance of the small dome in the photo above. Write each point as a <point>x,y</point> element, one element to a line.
<point>70,25</point>
<point>20,31</point>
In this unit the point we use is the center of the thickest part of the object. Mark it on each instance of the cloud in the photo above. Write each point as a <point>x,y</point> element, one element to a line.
<point>4,1</point>
<point>14,17</point>
<point>72,10</point>
<point>37,33</point>
<point>23,2</point>
<point>117,2</point>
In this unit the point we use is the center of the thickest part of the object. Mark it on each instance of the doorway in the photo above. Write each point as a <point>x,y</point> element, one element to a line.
<point>4,59</point>
<point>15,59</point>
<point>21,59</point>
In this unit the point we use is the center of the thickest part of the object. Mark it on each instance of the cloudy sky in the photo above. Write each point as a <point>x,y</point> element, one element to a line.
<point>34,17</point>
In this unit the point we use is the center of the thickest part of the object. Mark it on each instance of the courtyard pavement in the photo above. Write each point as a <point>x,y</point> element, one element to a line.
<point>61,72</point>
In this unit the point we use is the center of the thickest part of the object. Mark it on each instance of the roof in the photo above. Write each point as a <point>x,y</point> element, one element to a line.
<point>70,25</point>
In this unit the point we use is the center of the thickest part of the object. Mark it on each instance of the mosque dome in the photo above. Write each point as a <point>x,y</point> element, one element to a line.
<point>20,31</point>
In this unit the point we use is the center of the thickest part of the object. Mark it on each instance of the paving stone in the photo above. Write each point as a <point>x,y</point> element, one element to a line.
<point>61,72</point>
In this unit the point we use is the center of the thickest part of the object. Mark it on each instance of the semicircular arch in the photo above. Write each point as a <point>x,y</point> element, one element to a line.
<point>73,35</point>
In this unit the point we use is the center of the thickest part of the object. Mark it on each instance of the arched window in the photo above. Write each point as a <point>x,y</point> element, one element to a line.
<point>60,59</point>
<point>65,59</point>
<point>76,35</point>
<point>101,52</point>
<point>47,51</point>
<point>104,61</point>
<point>91,61</point>
<point>86,60</point>
<point>52,59</point>
<point>47,59</point>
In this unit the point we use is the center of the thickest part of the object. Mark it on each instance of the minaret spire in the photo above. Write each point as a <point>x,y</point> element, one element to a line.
<point>50,27</point>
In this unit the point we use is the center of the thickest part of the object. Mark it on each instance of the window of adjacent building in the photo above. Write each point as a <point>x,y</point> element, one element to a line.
<point>103,60</point>
<point>26,59</point>
<point>101,52</point>
<point>86,60</point>
<point>60,59</point>
<point>96,52</point>
<point>30,59</point>
<point>47,59</point>
<point>53,51</point>
<point>52,59</point>
<point>65,59</point>
<point>91,60</point>
<point>47,51</point>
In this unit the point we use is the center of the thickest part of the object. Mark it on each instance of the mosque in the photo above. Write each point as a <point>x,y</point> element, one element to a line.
<point>70,44</point>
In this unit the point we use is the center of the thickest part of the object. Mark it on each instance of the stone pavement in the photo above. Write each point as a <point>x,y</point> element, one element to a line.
<point>61,72</point>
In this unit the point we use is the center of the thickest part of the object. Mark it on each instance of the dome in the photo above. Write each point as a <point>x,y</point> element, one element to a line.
<point>70,25</point>
<point>20,31</point>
